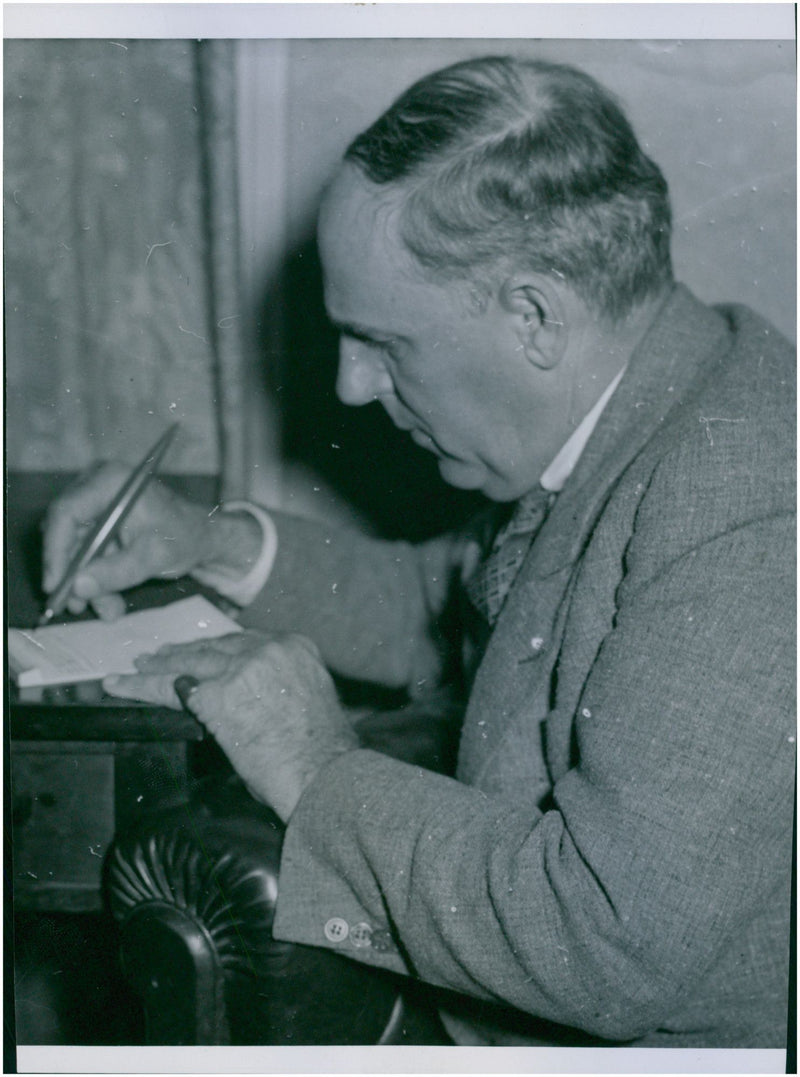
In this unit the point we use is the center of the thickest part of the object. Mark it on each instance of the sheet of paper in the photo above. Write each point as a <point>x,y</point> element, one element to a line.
<point>90,650</point>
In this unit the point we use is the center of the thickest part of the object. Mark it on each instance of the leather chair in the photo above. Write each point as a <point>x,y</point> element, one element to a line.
<point>193,889</point>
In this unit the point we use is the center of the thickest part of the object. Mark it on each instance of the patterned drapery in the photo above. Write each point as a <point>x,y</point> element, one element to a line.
<point>121,254</point>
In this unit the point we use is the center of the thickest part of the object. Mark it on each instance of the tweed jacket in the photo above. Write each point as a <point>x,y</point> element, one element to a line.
<point>613,855</point>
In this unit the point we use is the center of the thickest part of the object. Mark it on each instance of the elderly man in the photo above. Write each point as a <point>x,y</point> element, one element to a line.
<point>613,852</point>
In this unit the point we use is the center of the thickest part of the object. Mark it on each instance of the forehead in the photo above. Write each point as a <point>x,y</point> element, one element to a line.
<point>358,226</point>
<point>371,277</point>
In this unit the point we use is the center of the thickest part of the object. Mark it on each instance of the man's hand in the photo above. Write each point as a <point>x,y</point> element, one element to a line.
<point>268,700</point>
<point>164,537</point>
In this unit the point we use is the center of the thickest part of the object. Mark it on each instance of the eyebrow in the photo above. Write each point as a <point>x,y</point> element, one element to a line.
<point>361,332</point>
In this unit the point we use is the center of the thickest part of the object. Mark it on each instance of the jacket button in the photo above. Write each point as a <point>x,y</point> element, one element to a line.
<point>336,929</point>
<point>361,935</point>
<point>382,941</point>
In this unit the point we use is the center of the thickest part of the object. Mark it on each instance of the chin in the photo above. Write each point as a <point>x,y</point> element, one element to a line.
<point>457,473</point>
<point>470,476</point>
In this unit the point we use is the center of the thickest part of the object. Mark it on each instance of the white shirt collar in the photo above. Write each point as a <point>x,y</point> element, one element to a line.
<point>560,468</point>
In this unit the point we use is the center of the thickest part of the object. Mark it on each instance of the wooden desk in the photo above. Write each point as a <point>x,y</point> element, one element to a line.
<point>82,763</point>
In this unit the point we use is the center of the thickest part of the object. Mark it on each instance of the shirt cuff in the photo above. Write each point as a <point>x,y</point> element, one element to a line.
<point>243,589</point>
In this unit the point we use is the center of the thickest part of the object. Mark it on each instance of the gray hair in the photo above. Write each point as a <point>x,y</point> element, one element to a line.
<point>505,161</point>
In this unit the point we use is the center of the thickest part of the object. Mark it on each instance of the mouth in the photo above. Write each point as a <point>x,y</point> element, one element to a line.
<point>425,441</point>
<point>417,435</point>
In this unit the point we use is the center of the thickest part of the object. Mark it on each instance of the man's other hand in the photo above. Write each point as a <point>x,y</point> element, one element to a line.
<point>268,700</point>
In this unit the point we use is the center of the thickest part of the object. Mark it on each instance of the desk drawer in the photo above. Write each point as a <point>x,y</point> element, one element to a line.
<point>63,823</point>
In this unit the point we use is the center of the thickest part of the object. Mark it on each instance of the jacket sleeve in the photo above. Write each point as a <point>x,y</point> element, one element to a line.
<point>376,609</point>
<point>663,839</point>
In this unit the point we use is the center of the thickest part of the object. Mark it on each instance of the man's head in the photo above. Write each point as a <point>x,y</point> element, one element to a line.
<point>523,163</point>
<point>493,230</point>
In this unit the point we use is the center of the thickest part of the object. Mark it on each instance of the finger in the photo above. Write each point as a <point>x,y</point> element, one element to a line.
<point>202,644</point>
<point>236,642</point>
<point>61,539</point>
<point>204,700</point>
<point>197,663</point>
<point>148,689</point>
<point>69,516</point>
<point>231,644</point>
<point>109,607</point>
<point>115,572</point>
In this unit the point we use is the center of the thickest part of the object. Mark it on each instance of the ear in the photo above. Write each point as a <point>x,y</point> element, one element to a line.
<point>539,315</point>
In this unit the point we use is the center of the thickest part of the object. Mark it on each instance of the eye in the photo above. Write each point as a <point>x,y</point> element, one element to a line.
<point>387,346</point>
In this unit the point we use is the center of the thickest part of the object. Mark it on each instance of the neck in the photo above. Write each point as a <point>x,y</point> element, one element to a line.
<point>633,327</point>
<point>605,350</point>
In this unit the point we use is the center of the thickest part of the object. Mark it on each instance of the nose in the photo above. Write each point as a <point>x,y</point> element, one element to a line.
<point>362,376</point>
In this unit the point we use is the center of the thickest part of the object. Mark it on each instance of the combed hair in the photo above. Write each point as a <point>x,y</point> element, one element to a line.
<point>507,162</point>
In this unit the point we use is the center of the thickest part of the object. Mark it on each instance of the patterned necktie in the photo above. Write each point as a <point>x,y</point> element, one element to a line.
<point>490,583</point>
